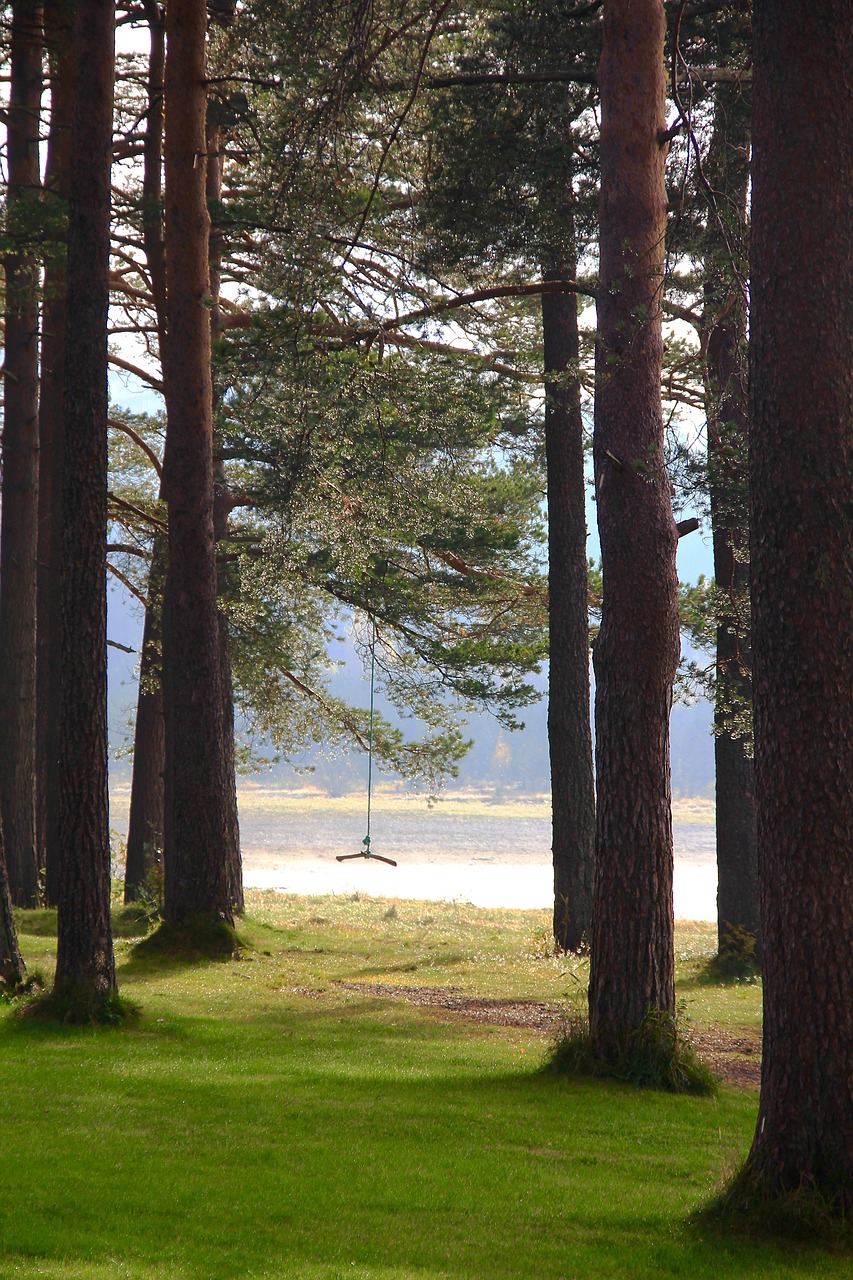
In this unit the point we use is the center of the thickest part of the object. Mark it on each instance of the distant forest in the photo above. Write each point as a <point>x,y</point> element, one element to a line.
<point>498,759</point>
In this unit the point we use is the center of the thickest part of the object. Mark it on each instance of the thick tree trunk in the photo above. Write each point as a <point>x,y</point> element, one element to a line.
<point>147,796</point>
<point>19,533</point>
<point>726,397</point>
<point>85,966</point>
<point>197,877</point>
<point>58,39</point>
<point>801,462</point>
<point>569,735</point>
<point>636,651</point>
<point>221,512</point>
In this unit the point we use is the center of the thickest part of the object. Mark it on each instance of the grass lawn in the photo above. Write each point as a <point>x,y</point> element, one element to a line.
<point>351,1098</point>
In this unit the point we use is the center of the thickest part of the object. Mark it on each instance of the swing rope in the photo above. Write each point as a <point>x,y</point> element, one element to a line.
<point>366,851</point>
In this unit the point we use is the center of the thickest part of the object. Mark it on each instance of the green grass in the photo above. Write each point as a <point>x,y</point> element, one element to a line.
<point>261,1120</point>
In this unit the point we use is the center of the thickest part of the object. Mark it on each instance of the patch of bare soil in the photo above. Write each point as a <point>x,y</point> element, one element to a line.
<point>736,1060</point>
<point>532,1014</point>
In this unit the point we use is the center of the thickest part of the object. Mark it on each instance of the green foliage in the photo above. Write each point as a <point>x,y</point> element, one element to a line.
<point>511,170</point>
<point>703,607</point>
<point>40,922</point>
<point>366,462</point>
<point>379,494</point>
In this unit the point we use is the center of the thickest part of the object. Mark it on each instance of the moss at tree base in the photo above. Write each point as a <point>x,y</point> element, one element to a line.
<point>197,937</point>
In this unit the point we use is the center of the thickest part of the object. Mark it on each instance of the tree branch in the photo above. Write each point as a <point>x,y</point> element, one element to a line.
<point>137,372</point>
<point>144,516</point>
<point>127,549</point>
<point>125,582</point>
<point>137,440</point>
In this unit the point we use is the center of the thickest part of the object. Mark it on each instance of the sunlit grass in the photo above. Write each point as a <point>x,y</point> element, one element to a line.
<point>264,1120</point>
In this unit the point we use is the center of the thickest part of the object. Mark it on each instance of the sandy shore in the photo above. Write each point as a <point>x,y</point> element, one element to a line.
<point>486,882</point>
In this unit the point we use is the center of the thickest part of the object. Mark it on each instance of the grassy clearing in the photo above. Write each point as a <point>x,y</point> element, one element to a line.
<point>263,1120</point>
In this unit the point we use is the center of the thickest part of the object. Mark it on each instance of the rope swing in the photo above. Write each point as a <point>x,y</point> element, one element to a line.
<point>366,851</point>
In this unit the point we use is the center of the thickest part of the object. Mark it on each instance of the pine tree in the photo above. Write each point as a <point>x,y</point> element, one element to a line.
<point>19,536</point>
<point>725,346</point>
<point>58,34</point>
<point>801,454</point>
<point>637,648</point>
<point>85,967</point>
<point>197,880</point>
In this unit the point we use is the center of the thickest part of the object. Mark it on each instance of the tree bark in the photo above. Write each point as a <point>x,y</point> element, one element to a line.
<point>12,967</point>
<point>569,735</point>
<point>636,651</point>
<point>726,398</point>
<point>147,795</point>
<point>146,823</point>
<point>19,521</point>
<point>58,30</point>
<point>85,967</point>
<point>197,879</point>
<point>152,168</point>
<point>801,461</point>
<point>221,512</point>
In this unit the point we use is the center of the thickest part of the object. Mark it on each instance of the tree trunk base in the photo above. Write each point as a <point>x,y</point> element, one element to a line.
<point>197,937</point>
<point>81,1007</point>
<point>758,1205</point>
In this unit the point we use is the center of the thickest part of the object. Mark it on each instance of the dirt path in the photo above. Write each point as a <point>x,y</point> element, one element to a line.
<point>735,1059</point>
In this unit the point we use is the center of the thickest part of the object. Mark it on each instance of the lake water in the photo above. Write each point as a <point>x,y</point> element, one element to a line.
<point>491,862</point>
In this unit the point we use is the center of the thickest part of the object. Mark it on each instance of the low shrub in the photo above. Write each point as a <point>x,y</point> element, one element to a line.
<point>655,1056</point>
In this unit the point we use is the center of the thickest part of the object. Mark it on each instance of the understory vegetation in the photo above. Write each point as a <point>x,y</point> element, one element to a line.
<point>358,1090</point>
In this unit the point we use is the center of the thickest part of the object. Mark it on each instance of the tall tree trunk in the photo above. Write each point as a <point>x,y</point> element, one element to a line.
<point>85,966</point>
<point>197,877</point>
<point>569,736</point>
<point>636,651</point>
<point>58,30</point>
<point>152,168</point>
<point>145,822</point>
<point>726,398</point>
<point>221,512</point>
<point>801,462</point>
<point>19,533</point>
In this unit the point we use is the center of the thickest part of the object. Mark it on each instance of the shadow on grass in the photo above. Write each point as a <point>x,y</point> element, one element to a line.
<point>363,1149</point>
<point>196,940</point>
<point>132,921</point>
<point>747,1209</point>
<point>78,1008</point>
<point>37,922</point>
